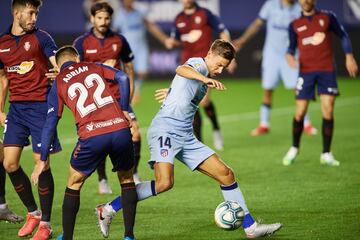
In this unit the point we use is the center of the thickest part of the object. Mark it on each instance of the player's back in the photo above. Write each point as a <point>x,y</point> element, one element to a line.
<point>85,89</point>
<point>278,18</point>
<point>184,96</point>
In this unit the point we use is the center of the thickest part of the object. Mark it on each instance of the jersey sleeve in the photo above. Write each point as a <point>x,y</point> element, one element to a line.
<point>78,45</point>
<point>214,22</point>
<point>292,40</point>
<point>265,11</point>
<point>199,65</point>
<point>175,33</point>
<point>126,54</point>
<point>47,43</point>
<point>339,30</point>
<point>1,65</point>
<point>124,87</point>
<point>55,109</point>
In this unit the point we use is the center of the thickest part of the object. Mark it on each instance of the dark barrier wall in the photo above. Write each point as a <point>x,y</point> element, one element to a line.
<point>65,20</point>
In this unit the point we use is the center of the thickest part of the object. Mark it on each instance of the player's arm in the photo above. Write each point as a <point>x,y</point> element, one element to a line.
<point>124,87</point>
<point>189,72</point>
<point>48,131</point>
<point>249,33</point>
<point>174,39</point>
<point>155,31</point>
<point>127,56</point>
<point>339,30</point>
<point>4,87</point>
<point>290,55</point>
<point>49,48</point>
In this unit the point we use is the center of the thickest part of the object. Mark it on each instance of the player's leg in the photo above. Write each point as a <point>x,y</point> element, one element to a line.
<point>71,202</point>
<point>5,213</point>
<point>218,170</point>
<point>22,186</point>
<point>270,78</point>
<point>104,187</point>
<point>289,76</point>
<point>210,111</point>
<point>46,197</point>
<point>136,139</point>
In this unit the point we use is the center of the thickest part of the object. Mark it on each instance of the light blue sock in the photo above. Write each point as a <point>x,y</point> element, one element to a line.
<point>306,119</point>
<point>144,190</point>
<point>265,114</point>
<point>233,193</point>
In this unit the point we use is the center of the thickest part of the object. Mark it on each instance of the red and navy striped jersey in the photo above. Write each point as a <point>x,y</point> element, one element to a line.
<point>312,36</point>
<point>85,89</point>
<point>195,31</point>
<point>25,61</point>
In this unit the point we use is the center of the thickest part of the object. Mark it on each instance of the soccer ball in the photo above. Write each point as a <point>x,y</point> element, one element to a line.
<point>229,215</point>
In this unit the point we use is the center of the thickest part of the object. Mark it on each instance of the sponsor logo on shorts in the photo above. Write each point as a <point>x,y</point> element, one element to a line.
<point>22,68</point>
<point>164,152</point>
<point>94,125</point>
<point>333,90</point>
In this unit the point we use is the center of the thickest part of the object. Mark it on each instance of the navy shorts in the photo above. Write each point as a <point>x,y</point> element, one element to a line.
<point>88,153</point>
<point>27,119</point>
<point>325,82</point>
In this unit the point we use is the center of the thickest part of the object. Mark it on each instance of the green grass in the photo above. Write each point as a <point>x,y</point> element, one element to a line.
<point>312,201</point>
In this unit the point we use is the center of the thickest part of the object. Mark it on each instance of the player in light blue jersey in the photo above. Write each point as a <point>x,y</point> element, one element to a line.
<point>133,24</point>
<point>277,15</point>
<point>171,136</point>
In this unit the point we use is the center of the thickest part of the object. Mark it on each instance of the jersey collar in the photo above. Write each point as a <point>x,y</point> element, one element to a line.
<point>66,64</point>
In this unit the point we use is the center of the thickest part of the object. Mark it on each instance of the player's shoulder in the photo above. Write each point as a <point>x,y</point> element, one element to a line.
<point>326,12</point>
<point>197,63</point>
<point>82,37</point>
<point>41,33</point>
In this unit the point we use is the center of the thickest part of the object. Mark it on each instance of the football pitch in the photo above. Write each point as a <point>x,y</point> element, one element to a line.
<point>312,201</point>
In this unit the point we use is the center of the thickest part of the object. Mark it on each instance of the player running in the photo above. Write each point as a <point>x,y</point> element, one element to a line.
<point>103,129</point>
<point>171,136</point>
<point>24,55</point>
<point>102,45</point>
<point>311,35</point>
<point>277,15</point>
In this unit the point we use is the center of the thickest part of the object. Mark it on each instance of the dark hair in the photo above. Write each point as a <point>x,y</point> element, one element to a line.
<point>104,6</point>
<point>64,51</point>
<point>24,3</point>
<point>223,48</point>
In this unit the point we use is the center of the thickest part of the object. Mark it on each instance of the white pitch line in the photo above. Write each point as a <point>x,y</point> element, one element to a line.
<point>248,116</point>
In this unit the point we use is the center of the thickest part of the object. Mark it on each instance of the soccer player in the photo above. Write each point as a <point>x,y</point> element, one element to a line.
<point>103,129</point>
<point>24,54</point>
<point>102,45</point>
<point>133,24</point>
<point>311,35</point>
<point>277,14</point>
<point>171,136</point>
<point>5,213</point>
<point>193,31</point>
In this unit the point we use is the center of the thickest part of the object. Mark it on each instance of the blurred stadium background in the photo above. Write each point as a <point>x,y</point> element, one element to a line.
<point>312,201</point>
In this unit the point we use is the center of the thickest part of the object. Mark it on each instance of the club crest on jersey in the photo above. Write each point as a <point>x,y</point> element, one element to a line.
<point>22,68</point>
<point>197,20</point>
<point>321,22</point>
<point>164,152</point>
<point>27,46</point>
<point>114,47</point>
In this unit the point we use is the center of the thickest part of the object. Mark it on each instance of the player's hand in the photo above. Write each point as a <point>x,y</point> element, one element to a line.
<point>351,65</point>
<point>52,73</point>
<point>110,62</point>
<point>161,94</point>
<point>238,44</point>
<point>38,169</point>
<point>2,118</point>
<point>212,83</point>
<point>128,118</point>
<point>232,66</point>
<point>291,60</point>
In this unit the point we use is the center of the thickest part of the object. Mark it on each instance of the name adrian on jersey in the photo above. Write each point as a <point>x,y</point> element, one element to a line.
<point>77,71</point>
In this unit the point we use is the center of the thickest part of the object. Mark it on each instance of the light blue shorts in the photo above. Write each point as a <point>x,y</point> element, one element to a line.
<point>165,146</point>
<point>275,69</point>
<point>141,60</point>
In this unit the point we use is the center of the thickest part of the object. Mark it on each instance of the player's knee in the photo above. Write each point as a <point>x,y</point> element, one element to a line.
<point>164,185</point>
<point>11,166</point>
